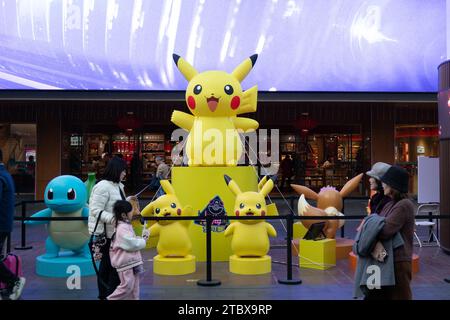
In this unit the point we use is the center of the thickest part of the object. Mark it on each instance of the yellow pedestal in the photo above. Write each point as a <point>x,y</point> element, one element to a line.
<point>250,266</point>
<point>320,254</point>
<point>173,266</point>
<point>299,230</point>
<point>196,186</point>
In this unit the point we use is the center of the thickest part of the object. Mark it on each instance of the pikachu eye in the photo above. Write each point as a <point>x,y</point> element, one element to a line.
<point>197,89</point>
<point>258,206</point>
<point>241,206</point>
<point>173,205</point>
<point>157,210</point>
<point>228,89</point>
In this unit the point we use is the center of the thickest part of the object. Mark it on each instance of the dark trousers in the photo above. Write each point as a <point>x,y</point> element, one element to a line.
<point>402,288</point>
<point>107,278</point>
<point>6,276</point>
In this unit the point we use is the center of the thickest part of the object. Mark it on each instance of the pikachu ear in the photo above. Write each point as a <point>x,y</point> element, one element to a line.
<point>249,101</point>
<point>310,194</point>
<point>268,186</point>
<point>148,210</point>
<point>167,187</point>
<point>232,185</point>
<point>244,68</point>
<point>262,183</point>
<point>185,68</point>
<point>351,185</point>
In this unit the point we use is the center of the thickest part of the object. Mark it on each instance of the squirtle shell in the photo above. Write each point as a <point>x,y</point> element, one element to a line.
<point>71,235</point>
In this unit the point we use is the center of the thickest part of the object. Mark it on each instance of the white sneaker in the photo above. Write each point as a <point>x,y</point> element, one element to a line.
<point>17,290</point>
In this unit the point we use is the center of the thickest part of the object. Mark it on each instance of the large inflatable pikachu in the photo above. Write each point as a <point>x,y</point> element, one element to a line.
<point>215,98</point>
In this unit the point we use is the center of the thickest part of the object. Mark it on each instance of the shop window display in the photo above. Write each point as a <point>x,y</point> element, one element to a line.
<point>18,143</point>
<point>90,152</point>
<point>412,142</point>
<point>324,159</point>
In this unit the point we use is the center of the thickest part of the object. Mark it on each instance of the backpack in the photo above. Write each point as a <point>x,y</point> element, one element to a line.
<point>14,264</point>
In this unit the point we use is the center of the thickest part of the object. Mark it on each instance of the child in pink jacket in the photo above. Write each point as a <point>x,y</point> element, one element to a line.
<point>125,253</point>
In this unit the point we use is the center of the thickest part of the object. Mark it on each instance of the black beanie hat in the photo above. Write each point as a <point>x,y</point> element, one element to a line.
<point>397,178</point>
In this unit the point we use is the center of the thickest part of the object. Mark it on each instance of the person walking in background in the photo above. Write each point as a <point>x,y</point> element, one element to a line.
<point>286,168</point>
<point>14,284</point>
<point>103,197</point>
<point>125,253</point>
<point>399,217</point>
<point>163,170</point>
<point>135,172</point>
<point>162,173</point>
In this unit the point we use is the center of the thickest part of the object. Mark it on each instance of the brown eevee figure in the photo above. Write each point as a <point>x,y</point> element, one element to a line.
<point>329,203</point>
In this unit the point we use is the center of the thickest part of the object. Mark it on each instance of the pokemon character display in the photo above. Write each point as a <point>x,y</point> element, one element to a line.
<point>250,242</point>
<point>329,203</point>
<point>215,98</point>
<point>174,245</point>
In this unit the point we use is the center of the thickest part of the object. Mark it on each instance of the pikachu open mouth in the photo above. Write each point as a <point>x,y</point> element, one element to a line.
<point>167,214</point>
<point>249,213</point>
<point>213,102</point>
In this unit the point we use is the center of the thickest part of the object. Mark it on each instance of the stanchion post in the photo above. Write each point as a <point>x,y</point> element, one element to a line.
<point>23,229</point>
<point>209,282</point>
<point>289,280</point>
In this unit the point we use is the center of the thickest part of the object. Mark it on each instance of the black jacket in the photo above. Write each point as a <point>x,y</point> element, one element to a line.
<point>7,192</point>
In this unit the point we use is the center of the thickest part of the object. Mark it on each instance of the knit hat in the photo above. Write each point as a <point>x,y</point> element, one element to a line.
<point>397,178</point>
<point>378,170</point>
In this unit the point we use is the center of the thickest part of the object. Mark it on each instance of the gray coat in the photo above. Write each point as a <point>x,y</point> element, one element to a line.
<point>364,243</point>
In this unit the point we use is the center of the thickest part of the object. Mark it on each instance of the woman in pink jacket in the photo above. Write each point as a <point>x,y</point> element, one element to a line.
<point>125,253</point>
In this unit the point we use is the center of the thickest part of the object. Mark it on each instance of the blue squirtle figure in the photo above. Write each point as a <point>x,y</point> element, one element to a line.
<point>65,196</point>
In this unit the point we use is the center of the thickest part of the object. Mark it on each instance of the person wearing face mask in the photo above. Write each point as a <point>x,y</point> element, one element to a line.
<point>103,197</point>
<point>378,199</point>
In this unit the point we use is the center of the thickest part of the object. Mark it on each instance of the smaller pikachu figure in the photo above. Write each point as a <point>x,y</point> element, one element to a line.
<point>174,239</point>
<point>215,98</point>
<point>250,237</point>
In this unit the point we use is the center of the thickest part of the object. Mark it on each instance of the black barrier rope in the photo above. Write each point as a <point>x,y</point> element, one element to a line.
<point>209,281</point>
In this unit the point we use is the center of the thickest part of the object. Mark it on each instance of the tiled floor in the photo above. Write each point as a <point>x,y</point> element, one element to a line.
<point>332,284</point>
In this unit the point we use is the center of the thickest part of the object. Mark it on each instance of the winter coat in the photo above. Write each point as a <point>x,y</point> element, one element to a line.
<point>103,197</point>
<point>365,242</point>
<point>124,251</point>
<point>6,200</point>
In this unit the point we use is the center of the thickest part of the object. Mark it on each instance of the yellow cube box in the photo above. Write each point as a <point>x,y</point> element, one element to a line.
<point>299,230</point>
<point>320,254</point>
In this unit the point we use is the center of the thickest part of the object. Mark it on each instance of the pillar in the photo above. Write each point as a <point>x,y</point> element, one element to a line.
<point>444,152</point>
<point>48,151</point>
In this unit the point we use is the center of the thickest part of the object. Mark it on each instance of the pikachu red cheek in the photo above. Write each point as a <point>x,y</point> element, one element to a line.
<point>191,102</point>
<point>237,213</point>
<point>235,102</point>
<point>179,211</point>
<point>263,213</point>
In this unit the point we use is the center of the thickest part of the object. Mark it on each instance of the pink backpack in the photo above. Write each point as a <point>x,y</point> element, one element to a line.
<point>13,263</point>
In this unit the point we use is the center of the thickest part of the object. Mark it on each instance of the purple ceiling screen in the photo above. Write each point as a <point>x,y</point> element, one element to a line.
<point>320,45</point>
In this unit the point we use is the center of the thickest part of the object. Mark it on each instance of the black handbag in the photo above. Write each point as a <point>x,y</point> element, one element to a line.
<point>98,241</point>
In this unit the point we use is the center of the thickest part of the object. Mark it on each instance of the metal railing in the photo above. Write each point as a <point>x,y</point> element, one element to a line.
<point>209,281</point>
